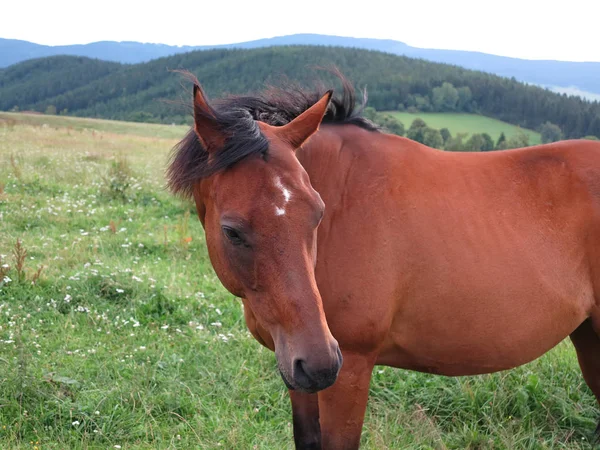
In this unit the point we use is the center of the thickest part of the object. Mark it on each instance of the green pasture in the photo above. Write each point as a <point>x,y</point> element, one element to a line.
<point>116,333</point>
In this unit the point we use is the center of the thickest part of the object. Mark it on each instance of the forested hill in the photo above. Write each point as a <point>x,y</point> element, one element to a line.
<point>30,81</point>
<point>86,87</point>
<point>583,77</point>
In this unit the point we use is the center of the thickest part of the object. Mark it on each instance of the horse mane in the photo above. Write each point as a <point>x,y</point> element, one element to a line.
<point>236,117</point>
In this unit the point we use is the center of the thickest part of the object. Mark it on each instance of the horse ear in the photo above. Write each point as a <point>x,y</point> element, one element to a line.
<point>205,124</point>
<point>306,124</point>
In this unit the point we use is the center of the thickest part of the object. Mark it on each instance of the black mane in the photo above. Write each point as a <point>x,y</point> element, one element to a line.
<point>236,116</point>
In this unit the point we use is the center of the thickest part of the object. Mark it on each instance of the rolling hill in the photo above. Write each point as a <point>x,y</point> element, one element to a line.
<point>25,83</point>
<point>136,92</point>
<point>580,77</point>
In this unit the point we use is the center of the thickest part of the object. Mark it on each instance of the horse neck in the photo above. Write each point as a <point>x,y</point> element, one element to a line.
<point>339,155</point>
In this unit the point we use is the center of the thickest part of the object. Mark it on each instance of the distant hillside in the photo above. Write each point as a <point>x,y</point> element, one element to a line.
<point>135,92</point>
<point>585,76</point>
<point>25,83</point>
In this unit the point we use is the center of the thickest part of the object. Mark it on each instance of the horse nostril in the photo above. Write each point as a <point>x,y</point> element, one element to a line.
<point>300,374</point>
<point>313,379</point>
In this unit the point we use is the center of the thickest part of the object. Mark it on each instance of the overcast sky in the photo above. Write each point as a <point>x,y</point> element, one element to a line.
<point>533,29</point>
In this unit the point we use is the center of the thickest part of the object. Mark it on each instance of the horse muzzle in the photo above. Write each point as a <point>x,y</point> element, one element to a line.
<point>313,372</point>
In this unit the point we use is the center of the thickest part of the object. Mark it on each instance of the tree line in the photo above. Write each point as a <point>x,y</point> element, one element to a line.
<point>152,92</point>
<point>442,139</point>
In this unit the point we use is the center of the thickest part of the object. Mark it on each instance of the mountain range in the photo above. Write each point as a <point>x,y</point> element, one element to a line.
<point>576,78</point>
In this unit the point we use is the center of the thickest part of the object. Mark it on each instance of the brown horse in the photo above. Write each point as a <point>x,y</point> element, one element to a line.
<point>393,252</point>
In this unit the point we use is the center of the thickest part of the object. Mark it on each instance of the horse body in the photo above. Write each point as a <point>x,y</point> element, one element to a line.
<point>442,262</point>
<point>453,263</point>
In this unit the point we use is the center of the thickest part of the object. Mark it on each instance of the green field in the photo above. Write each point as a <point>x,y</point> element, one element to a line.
<point>467,123</point>
<point>125,338</point>
<point>85,124</point>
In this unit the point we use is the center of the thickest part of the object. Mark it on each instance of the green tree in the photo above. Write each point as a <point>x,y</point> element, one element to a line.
<point>51,109</point>
<point>445,97</point>
<point>390,123</point>
<point>465,98</point>
<point>519,140</point>
<point>475,143</point>
<point>386,121</point>
<point>423,103</point>
<point>416,130</point>
<point>456,144</point>
<point>432,138</point>
<point>501,142</point>
<point>594,127</point>
<point>489,142</point>
<point>445,132</point>
<point>550,132</point>
<point>591,138</point>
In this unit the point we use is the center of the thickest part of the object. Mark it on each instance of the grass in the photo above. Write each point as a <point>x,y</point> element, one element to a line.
<point>114,330</point>
<point>467,123</point>
<point>83,124</point>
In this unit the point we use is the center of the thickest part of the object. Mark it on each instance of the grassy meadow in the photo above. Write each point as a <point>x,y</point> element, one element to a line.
<point>115,332</point>
<point>467,123</point>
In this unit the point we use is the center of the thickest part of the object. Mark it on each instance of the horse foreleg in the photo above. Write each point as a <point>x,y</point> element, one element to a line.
<point>342,406</point>
<point>305,414</point>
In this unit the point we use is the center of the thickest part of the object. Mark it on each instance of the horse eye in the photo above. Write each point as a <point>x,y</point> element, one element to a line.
<point>233,235</point>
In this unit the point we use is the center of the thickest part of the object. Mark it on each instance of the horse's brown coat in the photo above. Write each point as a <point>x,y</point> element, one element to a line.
<point>467,263</point>
<point>449,263</point>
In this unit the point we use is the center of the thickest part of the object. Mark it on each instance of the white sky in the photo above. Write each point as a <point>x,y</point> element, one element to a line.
<point>533,29</point>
